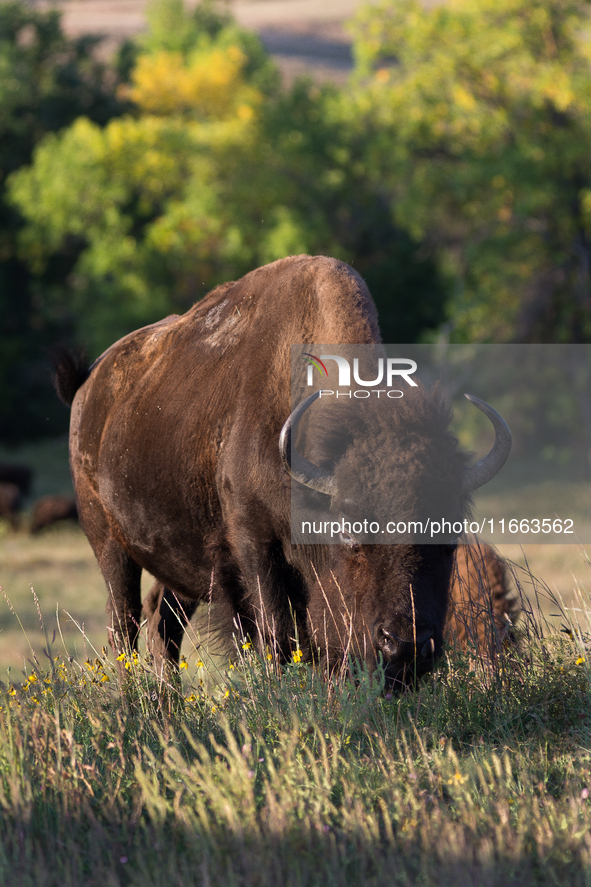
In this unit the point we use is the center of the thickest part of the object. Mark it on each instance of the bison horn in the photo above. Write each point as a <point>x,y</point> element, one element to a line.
<point>299,468</point>
<point>480,474</point>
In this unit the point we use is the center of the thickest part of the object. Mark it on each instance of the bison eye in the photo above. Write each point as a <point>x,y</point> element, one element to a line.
<point>348,539</point>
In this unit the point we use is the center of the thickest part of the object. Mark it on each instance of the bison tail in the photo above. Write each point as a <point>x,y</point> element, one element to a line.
<point>70,372</point>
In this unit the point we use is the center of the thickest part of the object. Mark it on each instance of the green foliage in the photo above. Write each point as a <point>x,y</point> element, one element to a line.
<point>173,28</point>
<point>214,172</point>
<point>46,81</point>
<point>481,115</point>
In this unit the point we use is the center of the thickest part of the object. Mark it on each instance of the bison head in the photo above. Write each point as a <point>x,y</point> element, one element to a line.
<point>382,591</point>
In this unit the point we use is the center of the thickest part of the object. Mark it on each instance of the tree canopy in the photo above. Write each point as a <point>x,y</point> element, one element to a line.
<point>46,82</point>
<point>214,170</point>
<point>481,110</point>
<point>451,172</point>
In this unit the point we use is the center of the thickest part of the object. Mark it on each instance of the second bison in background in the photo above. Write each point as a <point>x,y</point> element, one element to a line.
<point>51,509</point>
<point>483,608</point>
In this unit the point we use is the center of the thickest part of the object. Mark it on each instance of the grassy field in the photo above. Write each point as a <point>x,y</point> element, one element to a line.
<point>257,775</point>
<point>60,567</point>
<point>281,776</point>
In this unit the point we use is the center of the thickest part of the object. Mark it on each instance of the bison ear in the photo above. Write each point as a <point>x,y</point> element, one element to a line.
<point>298,468</point>
<point>480,474</point>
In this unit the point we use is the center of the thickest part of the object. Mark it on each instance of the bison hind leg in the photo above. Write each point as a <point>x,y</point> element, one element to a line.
<point>168,615</point>
<point>122,577</point>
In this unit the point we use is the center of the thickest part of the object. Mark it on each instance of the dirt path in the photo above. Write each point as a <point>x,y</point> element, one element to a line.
<point>304,36</point>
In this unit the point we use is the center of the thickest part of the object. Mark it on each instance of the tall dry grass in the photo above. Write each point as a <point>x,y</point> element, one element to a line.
<point>252,773</point>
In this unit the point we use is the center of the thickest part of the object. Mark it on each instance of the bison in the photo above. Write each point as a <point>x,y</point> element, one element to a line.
<point>50,509</point>
<point>481,614</point>
<point>10,503</point>
<point>19,475</point>
<point>182,455</point>
<point>482,609</point>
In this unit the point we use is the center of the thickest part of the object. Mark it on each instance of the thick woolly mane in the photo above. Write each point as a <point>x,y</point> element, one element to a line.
<point>391,458</point>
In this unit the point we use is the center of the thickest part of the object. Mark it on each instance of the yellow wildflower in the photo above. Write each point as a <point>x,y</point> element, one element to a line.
<point>297,656</point>
<point>183,663</point>
<point>580,660</point>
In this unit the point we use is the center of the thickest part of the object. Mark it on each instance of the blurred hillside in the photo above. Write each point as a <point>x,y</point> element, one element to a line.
<point>302,36</point>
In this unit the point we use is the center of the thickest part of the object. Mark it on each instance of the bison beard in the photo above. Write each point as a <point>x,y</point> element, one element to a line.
<point>174,450</point>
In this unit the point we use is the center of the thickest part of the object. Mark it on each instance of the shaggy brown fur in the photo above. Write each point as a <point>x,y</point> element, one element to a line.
<point>482,608</point>
<point>50,509</point>
<point>175,459</point>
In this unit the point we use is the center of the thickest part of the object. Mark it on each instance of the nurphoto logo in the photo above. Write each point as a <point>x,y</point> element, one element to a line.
<point>393,368</point>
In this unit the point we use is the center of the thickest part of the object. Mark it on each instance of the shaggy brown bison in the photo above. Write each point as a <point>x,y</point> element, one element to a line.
<point>10,503</point>
<point>175,456</point>
<point>482,608</point>
<point>51,509</point>
<point>19,475</point>
<point>481,614</point>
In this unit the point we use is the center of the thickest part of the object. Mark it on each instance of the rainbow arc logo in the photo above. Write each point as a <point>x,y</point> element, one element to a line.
<point>312,360</point>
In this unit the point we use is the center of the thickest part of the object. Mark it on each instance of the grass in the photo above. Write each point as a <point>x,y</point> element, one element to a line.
<point>281,776</point>
<point>255,775</point>
<point>60,566</point>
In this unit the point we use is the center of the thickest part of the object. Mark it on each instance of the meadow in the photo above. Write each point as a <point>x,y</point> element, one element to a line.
<point>242,772</point>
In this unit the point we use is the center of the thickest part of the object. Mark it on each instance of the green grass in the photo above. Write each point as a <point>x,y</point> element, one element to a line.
<point>60,567</point>
<point>255,776</point>
<point>279,776</point>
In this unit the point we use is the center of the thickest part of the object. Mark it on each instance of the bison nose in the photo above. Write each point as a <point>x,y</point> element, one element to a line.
<point>406,649</point>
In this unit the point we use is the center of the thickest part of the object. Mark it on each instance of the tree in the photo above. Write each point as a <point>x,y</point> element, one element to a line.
<point>214,170</point>
<point>481,114</point>
<point>46,81</point>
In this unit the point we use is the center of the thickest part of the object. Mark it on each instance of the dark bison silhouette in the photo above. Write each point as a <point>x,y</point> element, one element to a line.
<point>51,509</point>
<point>19,475</point>
<point>176,460</point>
<point>10,503</point>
